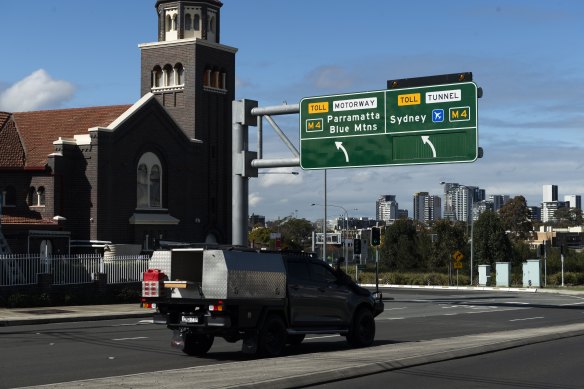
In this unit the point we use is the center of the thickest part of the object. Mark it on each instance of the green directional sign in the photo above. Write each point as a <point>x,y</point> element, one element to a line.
<point>423,125</point>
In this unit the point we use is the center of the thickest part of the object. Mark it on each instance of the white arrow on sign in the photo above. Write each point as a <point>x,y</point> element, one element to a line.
<point>341,147</point>
<point>426,140</point>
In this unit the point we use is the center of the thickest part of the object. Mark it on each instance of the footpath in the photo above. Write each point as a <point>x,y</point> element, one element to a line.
<point>46,315</point>
<point>298,370</point>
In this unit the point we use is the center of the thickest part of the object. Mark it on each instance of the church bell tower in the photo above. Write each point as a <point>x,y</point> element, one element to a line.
<point>192,75</point>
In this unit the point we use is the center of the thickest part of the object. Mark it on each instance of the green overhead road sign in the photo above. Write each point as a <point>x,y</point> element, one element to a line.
<point>423,125</point>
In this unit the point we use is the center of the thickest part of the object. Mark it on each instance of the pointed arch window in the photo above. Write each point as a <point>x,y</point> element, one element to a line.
<point>149,182</point>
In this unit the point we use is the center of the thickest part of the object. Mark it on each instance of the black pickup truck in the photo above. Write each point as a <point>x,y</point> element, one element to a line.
<point>266,299</point>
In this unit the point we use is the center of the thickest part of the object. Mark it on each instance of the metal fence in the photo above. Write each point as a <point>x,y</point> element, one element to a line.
<point>22,269</point>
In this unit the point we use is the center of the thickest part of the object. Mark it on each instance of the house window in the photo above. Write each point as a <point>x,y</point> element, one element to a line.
<point>149,182</point>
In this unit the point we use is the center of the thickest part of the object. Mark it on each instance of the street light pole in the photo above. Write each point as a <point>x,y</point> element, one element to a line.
<point>346,230</point>
<point>469,191</point>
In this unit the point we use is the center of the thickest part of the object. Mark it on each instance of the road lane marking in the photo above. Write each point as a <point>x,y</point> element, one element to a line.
<point>528,318</point>
<point>567,305</point>
<point>391,309</point>
<point>134,338</point>
<point>322,337</point>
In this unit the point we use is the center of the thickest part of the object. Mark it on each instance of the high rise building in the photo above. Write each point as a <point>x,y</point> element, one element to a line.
<point>459,200</point>
<point>498,201</point>
<point>427,208</point>
<point>535,214</point>
<point>386,208</point>
<point>573,201</point>
<point>550,193</point>
<point>548,210</point>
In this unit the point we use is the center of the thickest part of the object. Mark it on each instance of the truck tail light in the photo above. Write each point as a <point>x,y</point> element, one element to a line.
<point>216,307</point>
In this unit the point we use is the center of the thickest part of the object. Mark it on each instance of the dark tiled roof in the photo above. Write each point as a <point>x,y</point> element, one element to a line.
<point>3,118</point>
<point>39,129</point>
<point>11,148</point>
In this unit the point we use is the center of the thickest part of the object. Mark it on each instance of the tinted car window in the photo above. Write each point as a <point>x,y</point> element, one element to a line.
<point>321,273</point>
<point>298,271</point>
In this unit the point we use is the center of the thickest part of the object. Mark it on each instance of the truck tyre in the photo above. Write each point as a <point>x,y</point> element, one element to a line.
<point>272,337</point>
<point>197,344</point>
<point>362,331</point>
<point>296,339</point>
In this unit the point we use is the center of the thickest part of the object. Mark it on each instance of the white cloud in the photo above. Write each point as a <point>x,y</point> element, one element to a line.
<point>36,91</point>
<point>279,177</point>
<point>254,199</point>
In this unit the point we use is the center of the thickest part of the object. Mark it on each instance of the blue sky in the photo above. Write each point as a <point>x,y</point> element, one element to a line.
<point>527,56</point>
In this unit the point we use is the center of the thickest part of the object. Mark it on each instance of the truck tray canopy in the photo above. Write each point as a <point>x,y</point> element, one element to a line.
<point>222,274</point>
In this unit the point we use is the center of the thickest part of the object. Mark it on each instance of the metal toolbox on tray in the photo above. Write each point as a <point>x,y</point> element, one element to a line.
<point>222,274</point>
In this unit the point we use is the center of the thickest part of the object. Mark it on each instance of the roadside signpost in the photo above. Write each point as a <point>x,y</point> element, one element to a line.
<point>421,125</point>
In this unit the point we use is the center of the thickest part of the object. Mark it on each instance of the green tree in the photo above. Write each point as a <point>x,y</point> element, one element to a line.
<point>259,236</point>
<point>568,217</point>
<point>295,233</point>
<point>400,248</point>
<point>515,217</point>
<point>491,242</point>
<point>450,236</point>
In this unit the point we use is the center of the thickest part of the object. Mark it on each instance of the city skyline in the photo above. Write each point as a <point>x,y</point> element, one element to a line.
<point>387,206</point>
<point>530,115</point>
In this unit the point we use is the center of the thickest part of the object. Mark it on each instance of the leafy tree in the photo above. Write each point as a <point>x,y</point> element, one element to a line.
<point>515,217</point>
<point>259,236</point>
<point>295,233</point>
<point>568,217</point>
<point>400,249</point>
<point>449,237</point>
<point>491,242</point>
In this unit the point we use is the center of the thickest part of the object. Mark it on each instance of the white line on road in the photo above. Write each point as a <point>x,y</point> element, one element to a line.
<point>528,318</point>
<point>391,309</point>
<point>567,305</point>
<point>135,338</point>
<point>321,337</point>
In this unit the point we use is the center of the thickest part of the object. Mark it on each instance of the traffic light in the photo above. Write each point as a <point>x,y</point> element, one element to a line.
<point>375,236</point>
<point>357,246</point>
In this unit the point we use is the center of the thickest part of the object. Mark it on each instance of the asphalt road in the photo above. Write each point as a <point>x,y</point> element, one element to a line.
<point>53,353</point>
<point>546,365</point>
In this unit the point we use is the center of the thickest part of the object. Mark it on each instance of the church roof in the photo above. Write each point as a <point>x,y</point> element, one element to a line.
<point>35,220</point>
<point>37,130</point>
<point>11,148</point>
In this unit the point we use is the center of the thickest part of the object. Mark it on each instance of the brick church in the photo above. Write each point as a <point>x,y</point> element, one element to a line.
<point>158,169</point>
